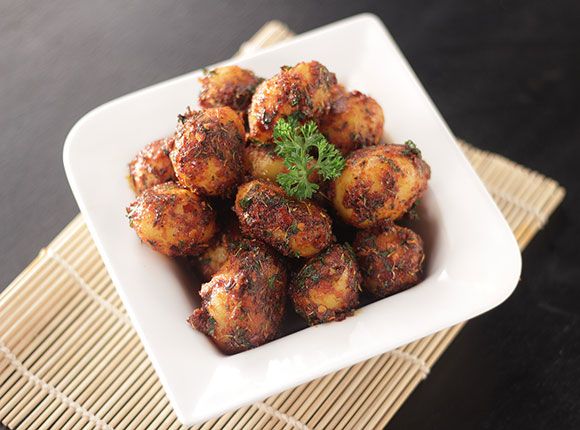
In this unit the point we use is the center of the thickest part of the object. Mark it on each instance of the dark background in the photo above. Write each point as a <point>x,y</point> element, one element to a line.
<point>505,75</point>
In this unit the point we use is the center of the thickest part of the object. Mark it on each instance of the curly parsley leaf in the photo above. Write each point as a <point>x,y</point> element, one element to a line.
<point>296,143</point>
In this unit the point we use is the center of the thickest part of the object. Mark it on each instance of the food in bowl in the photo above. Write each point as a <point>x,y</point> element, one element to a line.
<point>292,168</point>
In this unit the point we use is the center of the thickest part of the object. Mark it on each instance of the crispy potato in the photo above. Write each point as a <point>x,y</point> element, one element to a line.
<point>152,165</point>
<point>243,304</point>
<point>262,162</point>
<point>327,286</point>
<point>207,157</point>
<point>172,219</point>
<point>229,86</point>
<point>212,259</point>
<point>294,228</point>
<point>305,89</point>
<point>379,184</point>
<point>390,259</point>
<point>354,121</point>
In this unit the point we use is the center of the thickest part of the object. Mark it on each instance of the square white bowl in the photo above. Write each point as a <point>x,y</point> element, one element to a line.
<point>473,259</point>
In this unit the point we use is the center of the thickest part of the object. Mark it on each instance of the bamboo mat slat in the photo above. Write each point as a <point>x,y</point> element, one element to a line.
<point>70,359</point>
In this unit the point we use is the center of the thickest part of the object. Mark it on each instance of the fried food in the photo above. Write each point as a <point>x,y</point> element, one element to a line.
<point>296,228</point>
<point>327,287</point>
<point>229,86</point>
<point>390,259</point>
<point>243,304</point>
<point>152,165</point>
<point>172,219</point>
<point>379,184</point>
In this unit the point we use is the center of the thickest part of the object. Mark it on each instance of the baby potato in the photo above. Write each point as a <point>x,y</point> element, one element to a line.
<point>327,287</point>
<point>261,161</point>
<point>243,304</point>
<point>212,259</point>
<point>390,259</point>
<point>172,219</point>
<point>304,90</point>
<point>207,157</point>
<point>152,165</point>
<point>354,121</point>
<point>229,86</point>
<point>292,227</point>
<point>379,184</point>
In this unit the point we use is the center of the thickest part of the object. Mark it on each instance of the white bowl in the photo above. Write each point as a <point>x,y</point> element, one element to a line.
<point>473,259</point>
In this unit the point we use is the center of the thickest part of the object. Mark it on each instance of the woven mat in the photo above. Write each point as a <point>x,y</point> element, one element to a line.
<point>70,359</point>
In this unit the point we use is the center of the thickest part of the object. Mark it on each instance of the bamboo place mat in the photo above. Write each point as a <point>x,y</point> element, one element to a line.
<point>70,359</point>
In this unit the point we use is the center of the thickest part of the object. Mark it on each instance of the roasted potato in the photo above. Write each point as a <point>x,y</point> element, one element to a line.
<point>152,165</point>
<point>390,259</point>
<point>229,86</point>
<point>354,121</point>
<point>207,157</point>
<point>379,184</point>
<point>212,259</point>
<point>172,219</point>
<point>294,228</point>
<point>262,162</point>
<point>304,90</point>
<point>243,304</point>
<point>327,286</point>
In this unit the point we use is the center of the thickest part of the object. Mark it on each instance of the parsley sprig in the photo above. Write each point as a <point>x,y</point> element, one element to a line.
<point>296,144</point>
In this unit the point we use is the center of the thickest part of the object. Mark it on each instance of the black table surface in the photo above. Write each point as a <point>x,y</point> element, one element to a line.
<point>505,75</point>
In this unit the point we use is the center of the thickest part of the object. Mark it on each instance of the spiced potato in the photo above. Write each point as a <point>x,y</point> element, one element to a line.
<point>296,228</point>
<point>152,165</point>
<point>379,184</point>
<point>304,90</point>
<point>355,120</point>
<point>391,259</point>
<point>207,156</point>
<point>172,219</point>
<point>243,303</point>
<point>327,287</point>
<point>229,86</point>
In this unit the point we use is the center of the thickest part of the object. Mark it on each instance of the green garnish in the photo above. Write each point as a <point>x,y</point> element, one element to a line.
<point>411,148</point>
<point>295,143</point>
<point>245,202</point>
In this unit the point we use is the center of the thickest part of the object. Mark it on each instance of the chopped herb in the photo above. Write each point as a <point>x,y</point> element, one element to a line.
<point>181,118</point>
<point>272,281</point>
<point>245,202</point>
<point>414,211</point>
<point>208,72</point>
<point>285,67</point>
<point>211,326</point>
<point>411,149</point>
<point>294,142</point>
<point>293,229</point>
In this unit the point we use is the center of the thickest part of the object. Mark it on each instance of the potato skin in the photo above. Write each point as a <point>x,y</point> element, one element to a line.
<point>152,165</point>
<point>327,287</point>
<point>379,184</point>
<point>305,88</point>
<point>390,259</point>
<point>229,86</point>
<point>207,157</point>
<point>355,120</point>
<point>243,304</point>
<point>262,162</point>
<point>292,227</point>
<point>224,243</point>
<point>172,220</point>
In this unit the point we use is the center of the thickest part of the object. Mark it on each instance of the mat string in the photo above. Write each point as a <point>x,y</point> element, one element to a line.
<point>421,364</point>
<point>281,416</point>
<point>51,390</point>
<point>86,288</point>
<point>541,218</point>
